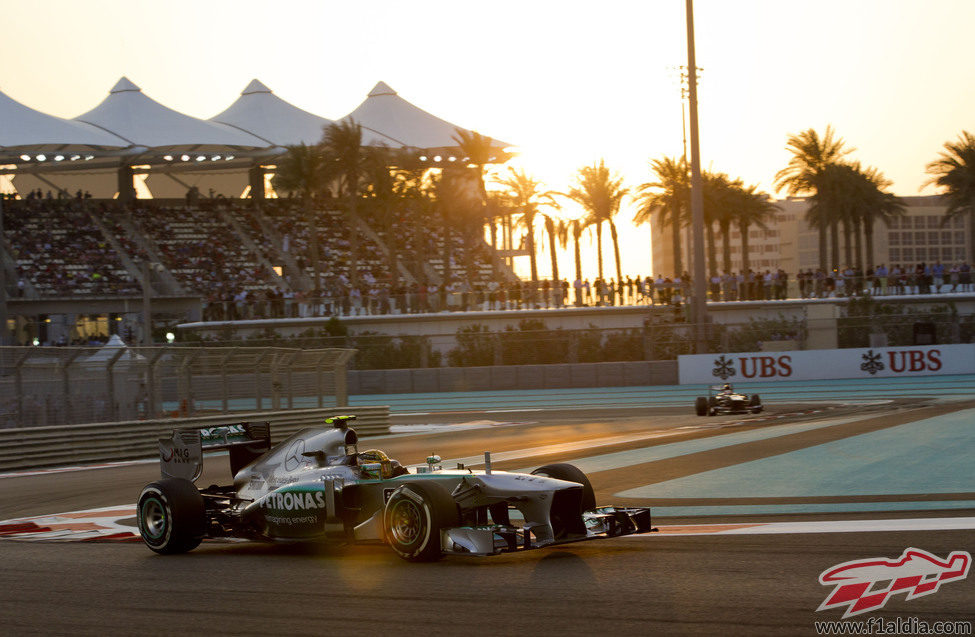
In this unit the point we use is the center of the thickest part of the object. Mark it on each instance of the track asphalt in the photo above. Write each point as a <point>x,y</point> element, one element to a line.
<point>752,510</point>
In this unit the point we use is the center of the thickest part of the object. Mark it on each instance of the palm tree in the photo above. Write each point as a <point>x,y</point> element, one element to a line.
<point>557,232</point>
<point>600,192</point>
<point>444,195</point>
<point>477,151</point>
<point>523,194</point>
<point>831,206</point>
<point>344,141</point>
<point>461,211</point>
<point>954,171</point>
<point>719,208</point>
<point>811,154</point>
<point>855,198</point>
<point>880,205</point>
<point>667,196</point>
<point>754,208</point>
<point>382,199</point>
<point>412,184</point>
<point>575,228</point>
<point>308,171</point>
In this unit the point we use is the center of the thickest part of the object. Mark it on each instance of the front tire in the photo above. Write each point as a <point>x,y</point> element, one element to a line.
<point>570,473</point>
<point>701,406</point>
<point>566,522</point>
<point>171,516</point>
<point>413,518</point>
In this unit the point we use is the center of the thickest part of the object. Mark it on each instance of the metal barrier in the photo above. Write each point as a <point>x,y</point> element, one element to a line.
<point>33,447</point>
<point>44,386</point>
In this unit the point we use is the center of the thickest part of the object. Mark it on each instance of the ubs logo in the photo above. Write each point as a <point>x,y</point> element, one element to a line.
<point>753,367</point>
<point>295,459</point>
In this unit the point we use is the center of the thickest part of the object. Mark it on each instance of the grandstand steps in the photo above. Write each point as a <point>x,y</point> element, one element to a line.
<point>170,286</point>
<point>501,267</point>
<point>431,272</point>
<point>299,278</point>
<point>135,272</point>
<point>367,230</point>
<point>248,242</point>
<point>11,276</point>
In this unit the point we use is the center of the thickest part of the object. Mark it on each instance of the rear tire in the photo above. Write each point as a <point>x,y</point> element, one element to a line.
<point>413,518</point>
<point>171,516</point>
<point>755,405</point>
<point>701,406</point>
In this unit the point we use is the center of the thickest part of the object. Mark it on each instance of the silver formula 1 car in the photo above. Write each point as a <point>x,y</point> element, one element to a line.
<point>723,399</point>
<point>316,485</point>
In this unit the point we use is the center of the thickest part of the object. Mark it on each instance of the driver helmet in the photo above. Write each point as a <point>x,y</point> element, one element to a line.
<point>726,387</point>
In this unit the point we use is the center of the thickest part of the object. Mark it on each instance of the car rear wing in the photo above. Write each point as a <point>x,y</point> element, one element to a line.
<point>181,455</point>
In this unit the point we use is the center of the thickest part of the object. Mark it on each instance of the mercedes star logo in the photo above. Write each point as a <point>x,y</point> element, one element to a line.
<point>295,459</point>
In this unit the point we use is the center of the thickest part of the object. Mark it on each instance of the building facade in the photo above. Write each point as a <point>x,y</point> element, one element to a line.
<point>788,243</point>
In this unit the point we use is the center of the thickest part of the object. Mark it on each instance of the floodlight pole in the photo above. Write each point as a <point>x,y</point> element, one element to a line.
<point>3,280</point>
<point>699,276</point>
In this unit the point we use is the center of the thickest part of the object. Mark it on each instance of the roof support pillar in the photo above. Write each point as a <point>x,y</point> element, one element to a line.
<point>255,177</point>
<point>126,187</point>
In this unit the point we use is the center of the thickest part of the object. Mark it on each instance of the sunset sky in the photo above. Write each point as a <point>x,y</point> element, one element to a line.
<point>566,82</point>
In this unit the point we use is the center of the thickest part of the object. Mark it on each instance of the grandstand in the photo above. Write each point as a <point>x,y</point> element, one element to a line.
<point>67,260</point>
<point>240,258</point>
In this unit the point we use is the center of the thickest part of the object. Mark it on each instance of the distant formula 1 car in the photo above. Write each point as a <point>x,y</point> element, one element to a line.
<point>316,485</point>
<point>722,399</point>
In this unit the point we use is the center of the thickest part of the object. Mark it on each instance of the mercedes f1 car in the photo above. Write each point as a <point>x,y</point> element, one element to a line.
<point>316,485</point>
<point>722,399</point>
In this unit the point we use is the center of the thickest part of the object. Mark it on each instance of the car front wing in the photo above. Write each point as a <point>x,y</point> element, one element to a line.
<point>601,523</point>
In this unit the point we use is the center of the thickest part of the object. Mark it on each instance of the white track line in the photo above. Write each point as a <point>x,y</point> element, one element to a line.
<point>830,526</point>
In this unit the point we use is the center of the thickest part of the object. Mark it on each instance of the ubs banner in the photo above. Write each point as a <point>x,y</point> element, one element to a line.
<point>828,363</point>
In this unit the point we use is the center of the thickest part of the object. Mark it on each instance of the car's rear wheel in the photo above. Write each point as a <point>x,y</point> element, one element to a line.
<point>414,516</point>
<point>171,516</point>
<point>755,404</point>
<point>701,406</point>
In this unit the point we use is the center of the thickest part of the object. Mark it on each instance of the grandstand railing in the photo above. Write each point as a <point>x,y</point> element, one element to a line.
<point>414,301</point>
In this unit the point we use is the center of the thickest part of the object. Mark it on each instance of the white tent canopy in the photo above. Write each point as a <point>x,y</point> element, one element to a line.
<point>260,112</point>
<point>135,117</point>
<point>130,129</point>
<point>25,130</point>
<point>402,124</point>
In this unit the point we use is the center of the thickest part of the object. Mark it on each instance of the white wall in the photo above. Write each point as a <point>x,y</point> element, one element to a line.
<point>883,362</point>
